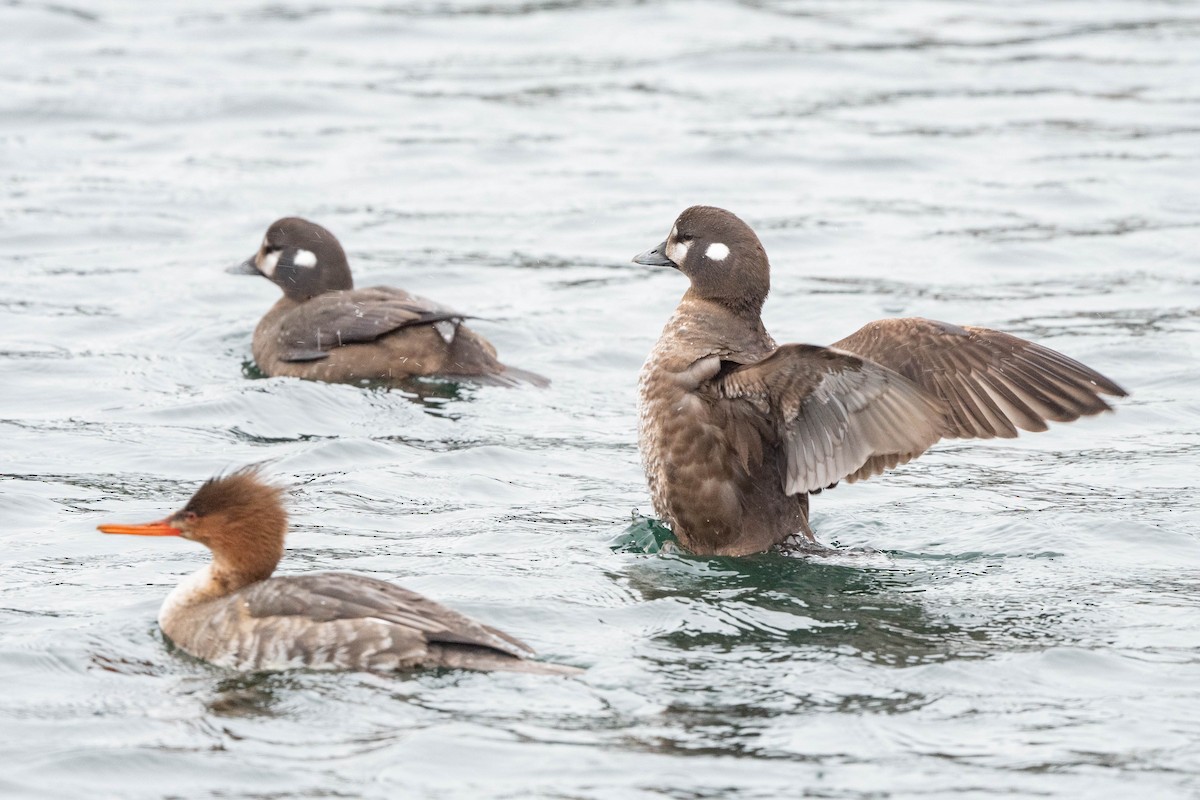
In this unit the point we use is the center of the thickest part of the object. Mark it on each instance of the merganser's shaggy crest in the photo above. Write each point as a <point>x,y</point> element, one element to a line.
<point>736,432</point>
<point>234,614</point>
<point>324,329</point>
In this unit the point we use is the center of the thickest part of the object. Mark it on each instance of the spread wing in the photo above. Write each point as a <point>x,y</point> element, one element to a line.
<point>353,316</point>
<point>842,417</point>
<point>396,617</point>
<point>991,382</point>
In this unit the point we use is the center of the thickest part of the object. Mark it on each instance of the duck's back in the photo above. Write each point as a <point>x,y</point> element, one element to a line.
<point>375,334</point>
<point>333,620</point>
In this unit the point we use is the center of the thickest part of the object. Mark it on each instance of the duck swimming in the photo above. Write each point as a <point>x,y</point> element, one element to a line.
<point>324,329</point>
<point>232,613</point>
<point>735,431</point>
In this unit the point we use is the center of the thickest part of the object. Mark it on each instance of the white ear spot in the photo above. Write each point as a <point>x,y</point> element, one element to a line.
<point>268,263</point>
<point>305,258</point>
<point>717,251</point>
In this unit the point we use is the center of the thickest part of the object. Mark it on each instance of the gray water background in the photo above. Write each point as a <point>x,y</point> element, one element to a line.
<point>1015,618</point>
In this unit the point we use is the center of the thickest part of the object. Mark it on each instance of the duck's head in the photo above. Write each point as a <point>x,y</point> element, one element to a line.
<point>239,517</point>
<point>720,254</point>
<point>300,257</point>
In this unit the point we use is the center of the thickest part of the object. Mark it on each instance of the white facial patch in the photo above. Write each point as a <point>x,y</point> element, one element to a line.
<point>266,264</point>
<point>305,258</point>
<point>717,251</point>
<point>677,252</point>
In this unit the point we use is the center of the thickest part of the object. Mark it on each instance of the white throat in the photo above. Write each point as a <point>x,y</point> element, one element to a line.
<point>201,585</point>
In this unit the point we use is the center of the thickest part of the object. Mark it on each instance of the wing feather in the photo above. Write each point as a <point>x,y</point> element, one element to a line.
<point>991,382</point>
<point>840,416</point>
<point>355,316</point>
<point>340,596</point>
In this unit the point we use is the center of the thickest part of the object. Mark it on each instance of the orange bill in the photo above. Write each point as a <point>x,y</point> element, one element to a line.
<point>160,528</point>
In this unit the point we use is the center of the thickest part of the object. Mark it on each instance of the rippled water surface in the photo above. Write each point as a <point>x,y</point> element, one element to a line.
<point>1018,618</point>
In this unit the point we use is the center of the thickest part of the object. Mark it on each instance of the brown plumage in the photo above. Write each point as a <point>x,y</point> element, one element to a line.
<point>234,614</point>
<point>326,330</point>
<point>735,432</point>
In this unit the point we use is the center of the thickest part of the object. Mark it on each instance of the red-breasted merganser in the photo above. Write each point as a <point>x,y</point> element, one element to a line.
<point>736,431</point>
<point>323,329</point>
<point>234,614</point>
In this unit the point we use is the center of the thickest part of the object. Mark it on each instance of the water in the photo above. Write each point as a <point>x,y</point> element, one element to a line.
<point>1013,618</point>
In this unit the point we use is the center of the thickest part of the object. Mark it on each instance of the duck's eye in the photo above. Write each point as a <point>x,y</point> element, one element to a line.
<point>190,516</point>
<point>683,238</point>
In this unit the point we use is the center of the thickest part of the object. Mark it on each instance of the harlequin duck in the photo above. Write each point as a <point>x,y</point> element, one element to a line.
<point>234,614</point>
<point>735,431</point>
<point>324,329</point>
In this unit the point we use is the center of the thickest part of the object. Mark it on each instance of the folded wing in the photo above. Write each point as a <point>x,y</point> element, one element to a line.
<point>356,316</point>
<point>842,417</point>
<point>410,619</point>
<point>991,382</point>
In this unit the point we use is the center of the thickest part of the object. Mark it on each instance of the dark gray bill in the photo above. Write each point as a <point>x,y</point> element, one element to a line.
<point>245,268</point>
<point>655,257</point>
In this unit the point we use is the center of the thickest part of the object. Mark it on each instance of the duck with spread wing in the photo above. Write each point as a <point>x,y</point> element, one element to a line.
<point>736,431</point>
